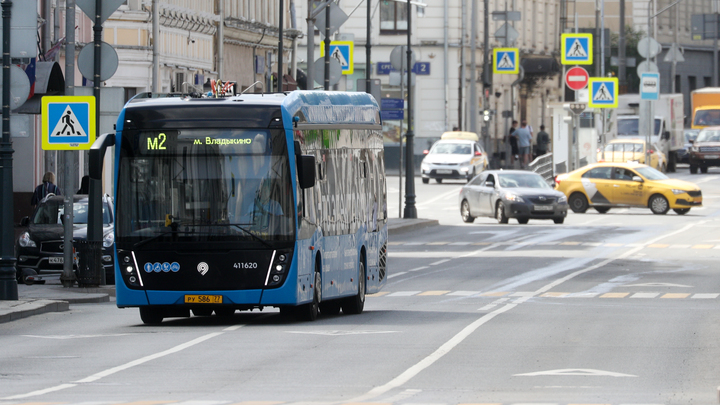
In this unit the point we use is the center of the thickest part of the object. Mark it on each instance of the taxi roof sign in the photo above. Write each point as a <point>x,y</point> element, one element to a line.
<point>506,61</point>
<point>68,122</point>
<point>577,49</point>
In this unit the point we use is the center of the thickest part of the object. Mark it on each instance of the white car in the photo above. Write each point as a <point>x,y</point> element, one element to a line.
<point>457,159</point>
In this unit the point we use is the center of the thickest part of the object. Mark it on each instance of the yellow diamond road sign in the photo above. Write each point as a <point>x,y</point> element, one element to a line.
<point>68,122</point>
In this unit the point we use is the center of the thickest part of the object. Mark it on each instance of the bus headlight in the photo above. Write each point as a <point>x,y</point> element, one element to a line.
<point>278,269</point>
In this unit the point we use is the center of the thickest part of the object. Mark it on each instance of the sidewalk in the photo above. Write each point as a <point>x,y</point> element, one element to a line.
<point>53,297</point>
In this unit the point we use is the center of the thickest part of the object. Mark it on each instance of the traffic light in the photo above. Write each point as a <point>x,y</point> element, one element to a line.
<point>486,115</point>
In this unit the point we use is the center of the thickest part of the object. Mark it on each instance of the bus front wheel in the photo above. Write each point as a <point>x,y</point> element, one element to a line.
<point>150,315</point>
<point>355,304</point>
<point>309,312</point>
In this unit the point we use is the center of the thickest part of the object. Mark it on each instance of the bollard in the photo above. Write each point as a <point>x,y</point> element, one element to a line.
<point>89,265</point>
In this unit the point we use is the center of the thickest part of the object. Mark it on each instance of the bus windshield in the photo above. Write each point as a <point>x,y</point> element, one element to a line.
<point>195,185</point>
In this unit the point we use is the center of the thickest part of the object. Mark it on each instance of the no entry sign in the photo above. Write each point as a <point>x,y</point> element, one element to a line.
<point>577,78</point>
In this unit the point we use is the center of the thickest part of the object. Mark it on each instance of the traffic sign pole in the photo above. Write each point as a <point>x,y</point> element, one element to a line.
<point>8,283</point>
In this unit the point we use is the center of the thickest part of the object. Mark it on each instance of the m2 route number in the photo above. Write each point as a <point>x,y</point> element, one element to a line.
<point>157,143</point>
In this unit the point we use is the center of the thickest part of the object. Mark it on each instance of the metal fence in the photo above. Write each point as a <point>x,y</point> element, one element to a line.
<point>543,165</point>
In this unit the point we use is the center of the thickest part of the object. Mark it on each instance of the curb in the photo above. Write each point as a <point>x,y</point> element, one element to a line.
<point>27,308</point>
<point>402,226</point>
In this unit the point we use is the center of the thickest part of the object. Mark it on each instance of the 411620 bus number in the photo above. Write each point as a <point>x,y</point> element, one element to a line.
<point>246,265</point>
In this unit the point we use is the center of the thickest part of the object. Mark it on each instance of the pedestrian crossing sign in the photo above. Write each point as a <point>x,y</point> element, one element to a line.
<point>577,49</point>
<point>343,51</point>
<point>506,61</point>
<point>68,122</point>
<point>603,92</point>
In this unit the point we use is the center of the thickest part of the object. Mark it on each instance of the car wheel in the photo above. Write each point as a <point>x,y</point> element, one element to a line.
<point>426,180</point>
<point>693,169</point>
<point>438,181</point>
<point>355,304</point>
<point>703,169</point>
<point>523,221</point>
<point>151,315</point>
<point>500,213</point>
<point>659,204</point>
<point>558,220</point>
<point>578,203</point>
<point>465,212</point>
<point>681,211</point>
<point>602,210</point>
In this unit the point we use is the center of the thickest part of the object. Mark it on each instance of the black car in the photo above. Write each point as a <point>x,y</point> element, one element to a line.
<point>40,247</point>
<point>504,194</point>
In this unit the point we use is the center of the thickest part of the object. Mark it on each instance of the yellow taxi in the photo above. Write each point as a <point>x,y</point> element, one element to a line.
<point>632,150</point>
<point>606,185</point>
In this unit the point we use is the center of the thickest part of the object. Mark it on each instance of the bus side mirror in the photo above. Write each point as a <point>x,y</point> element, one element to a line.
<point>97,154</point>
<point>306,171</point>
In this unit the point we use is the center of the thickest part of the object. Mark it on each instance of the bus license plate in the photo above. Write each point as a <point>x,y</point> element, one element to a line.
<point>544,208</point>
<point>712,156</point>
<point>56,260</point>
<point>203,299</point>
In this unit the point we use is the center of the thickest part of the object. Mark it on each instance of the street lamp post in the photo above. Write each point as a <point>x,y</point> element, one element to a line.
<point>410,209</point>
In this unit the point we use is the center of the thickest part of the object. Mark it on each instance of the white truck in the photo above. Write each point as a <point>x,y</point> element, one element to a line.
<point>668,120</point>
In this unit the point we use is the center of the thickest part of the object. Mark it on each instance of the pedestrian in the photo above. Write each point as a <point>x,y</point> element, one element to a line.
<point>524,140</point>
<point>513,143</point>
<point>84,185</point>
<point>543,141</point>
<point>47,187</point>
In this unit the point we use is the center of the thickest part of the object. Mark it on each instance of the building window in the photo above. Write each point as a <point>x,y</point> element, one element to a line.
<point>707,80</point>
<point>692,83</point>
<point>678,84</point>
<point>393,17</point>
<point>130,92</point>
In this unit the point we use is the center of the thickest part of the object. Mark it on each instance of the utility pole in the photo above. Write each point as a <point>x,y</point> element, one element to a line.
<point>622,61</point>
<point>327,49</point>
<point>67,278</point>
<point>473,109</point>
<point>310,84</point>
<point>8,281</point>
<point>280,46</point>
<point>368,64</point>
<point>487,84</point>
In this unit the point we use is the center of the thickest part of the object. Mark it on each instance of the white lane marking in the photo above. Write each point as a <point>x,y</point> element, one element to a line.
<point>433,357</point>
<point>468,330</point>
<point>493,304</point>
<point>440,262</point>
<point>657,285</point>
<point>403,293</point>
<point>644,295</point>
<point>41,392</point>
<point>145,359</point>
<point>419,268</point>
<point>464,293</point>
<point>453,192</point>
<point>705,296</point>
<point>705,180</point>
<point>576,371</point>
<point>396,274</point>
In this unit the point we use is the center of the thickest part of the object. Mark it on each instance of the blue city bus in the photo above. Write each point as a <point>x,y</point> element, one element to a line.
<point>250,201</point>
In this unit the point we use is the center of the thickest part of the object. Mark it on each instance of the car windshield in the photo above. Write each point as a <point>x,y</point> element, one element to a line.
<point>50,213</point>
<point>651,174</point>
<point>707,117</point>
<point>691,135</point>
<point>707,135</point>
<point>452,149</point>
<point>630,126</point>
<point>624,147</point>
<point>529,180</point>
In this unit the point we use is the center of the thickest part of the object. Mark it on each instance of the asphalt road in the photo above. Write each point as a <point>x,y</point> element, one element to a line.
<point>620,308</point>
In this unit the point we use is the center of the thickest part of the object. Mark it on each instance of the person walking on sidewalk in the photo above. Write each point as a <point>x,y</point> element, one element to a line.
<point>524,138</point>
<point>513,143</point>
<point>543,141</point>
<point>42,190</point>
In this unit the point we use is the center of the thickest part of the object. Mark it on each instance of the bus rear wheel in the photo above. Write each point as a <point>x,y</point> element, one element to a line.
<point>356,304</point>
<point>151,316</point>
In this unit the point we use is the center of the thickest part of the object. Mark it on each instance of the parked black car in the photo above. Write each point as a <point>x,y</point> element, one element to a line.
<point>40,247</point>
<point>504,194</point>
